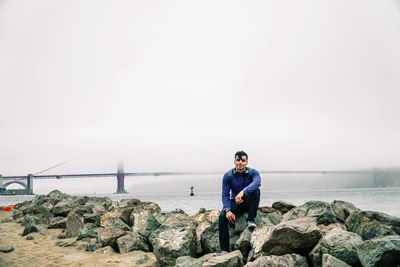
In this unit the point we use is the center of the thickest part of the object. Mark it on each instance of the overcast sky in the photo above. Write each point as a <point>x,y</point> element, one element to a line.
<point>182,85</point>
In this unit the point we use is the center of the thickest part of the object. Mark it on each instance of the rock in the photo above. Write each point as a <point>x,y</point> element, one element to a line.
<point>6,249</point>
<point>187,261</point>
<point>99,204</point>
<point>30,237</point>
<point>232,259</point>
<point>283,206</point>
<point>74,224</point>
<point>380,252</point>
<point>324,229</point>
<point>62,243</point>
<point>63,207</point>
<point>142,259</point>
<point>32,228</point>
<point>92,218</point>
<point>106,250</point>
<point>330,261</point>
<point>31,219</point>
<point>122,213</point>
<point>130,202</point>
<point>243,243</point>
<point>57,222</point>
<point>338,243</point>
<point>288,260</point>
<point>93,247</point>
<point>144,222</point>
<point>343,209</point>
<point>57,195</point>
<point>6,220</point>
<point>17,214</point>
<point>320,210</point>
<point>89,230</point>
<point>179,217</point>
<point>296,236</point>
<point>172,241</point>
<point>109,220</point>
<point>82,209</point>
<point>272,218</point>
<point>370,224</point>
<point>132,241</point>
<point>109,236</point>
<point>266,209</point>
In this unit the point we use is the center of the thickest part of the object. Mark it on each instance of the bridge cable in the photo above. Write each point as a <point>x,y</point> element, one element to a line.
<point>55,166</point>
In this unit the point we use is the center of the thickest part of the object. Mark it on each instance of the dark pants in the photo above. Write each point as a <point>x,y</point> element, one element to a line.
<point>250,204</point>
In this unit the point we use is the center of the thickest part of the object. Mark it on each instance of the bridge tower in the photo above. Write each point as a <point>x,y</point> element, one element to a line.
<point>121,180</point>
<point>29,184</point>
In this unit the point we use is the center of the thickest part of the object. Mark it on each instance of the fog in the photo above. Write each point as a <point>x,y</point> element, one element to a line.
<point>183,85</point>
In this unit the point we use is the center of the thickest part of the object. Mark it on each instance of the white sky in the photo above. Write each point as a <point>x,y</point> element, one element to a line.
<point>182,85</point>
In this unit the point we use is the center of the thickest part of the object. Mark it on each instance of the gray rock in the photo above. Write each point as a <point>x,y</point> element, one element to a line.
<point>330,261</point>
<point>57,222</point>
<point>320,210</point>
<point>380,252</point>
<point>32,228</point>
<point>130,202</point>
<point>338,243</point>
<point>63,207</point>
<point>179,217</point>
<point>370,224</point>
<point>73,225</point>
<point>296,236</point>
<point>267,209</point>
<point>92,218</point>
<point>17,214</point>
<point>172,241</point>
<point>272,218</point>
<point>283,206</point>
<point>187,261</point>
<point>141,259</point>
<point>57,195</point>
<point>288,260</point>
<point>243,243</point>
<point>324,229</point>
<point>99,204</point>
<point>82,209</point>
<point>109,236</point>
<point>132,241</point>
<point>93,247</point>
<point>144,222</point>
<point>89,230</point>
<point>122,213</point>
<point>6,249</point>
<point>109,220</point>
<point>343,209</point>
<point>62,243</point>
<point>232,259</point>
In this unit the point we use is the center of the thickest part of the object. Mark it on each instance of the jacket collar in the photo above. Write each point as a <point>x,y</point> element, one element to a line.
<point>246,171</point>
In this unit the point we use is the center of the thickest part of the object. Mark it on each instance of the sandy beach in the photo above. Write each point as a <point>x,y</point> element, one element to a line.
<point>41,251</point>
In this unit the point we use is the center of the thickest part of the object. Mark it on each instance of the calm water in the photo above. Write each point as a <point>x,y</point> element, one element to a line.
<point>385,200</point>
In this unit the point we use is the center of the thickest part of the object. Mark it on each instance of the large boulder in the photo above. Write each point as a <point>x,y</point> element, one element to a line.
<point>172,241</point>
<point>143,222</point>
<point>187,261</point>
<point>244,242</point>
<point>203,219</point>
<point>320,210</point>
<point>283,206</point>
<point>63,207</point>
<point>109,220</point>
<point>108,236</point>
<point>288,260</point>
<point>330,261</point>
<point>89,230</point>
<point>131,242</point>
<point>343,209</point>
<point>338,243</point>
<point>74,224</point>
<point>296,236</point>
<point>232,259</point>
<point>370,224</point>
<point>380,252</point>
<point>57,222</point>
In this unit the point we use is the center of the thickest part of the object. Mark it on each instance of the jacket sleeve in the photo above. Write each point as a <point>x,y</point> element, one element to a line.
<point>253,185</point>
<point>226,188</point>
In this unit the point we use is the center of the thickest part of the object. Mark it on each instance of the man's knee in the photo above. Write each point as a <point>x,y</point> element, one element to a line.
<point>255,195</point>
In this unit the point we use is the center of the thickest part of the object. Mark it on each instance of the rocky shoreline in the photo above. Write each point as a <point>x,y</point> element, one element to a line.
<point>313,234</point>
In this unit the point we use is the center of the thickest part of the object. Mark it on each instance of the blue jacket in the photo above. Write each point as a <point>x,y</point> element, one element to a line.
<point>233,182</point>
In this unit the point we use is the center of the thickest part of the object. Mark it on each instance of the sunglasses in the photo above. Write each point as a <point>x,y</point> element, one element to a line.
<point>240,159</point>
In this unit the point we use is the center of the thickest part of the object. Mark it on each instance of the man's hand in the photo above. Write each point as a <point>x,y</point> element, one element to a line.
<point>231,217</point>
<point>239,198</point>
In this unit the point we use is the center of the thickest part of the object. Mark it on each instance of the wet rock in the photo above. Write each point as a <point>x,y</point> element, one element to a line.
<point>283,206</point>
<point>73,225</point>
<point>330,261</point>
<point>89,230</point>
<point>338,243</point>
<point>320,210</point>
<point>144,222</point>
<point>6,248</point>
<point>57,222</point>
<point>172,241</point>
<point>343,209</point>
<point>296,236</point>
<point>132,241</point>
<point>380,251</point>
<point>288,260</point>
<point>370,224</point>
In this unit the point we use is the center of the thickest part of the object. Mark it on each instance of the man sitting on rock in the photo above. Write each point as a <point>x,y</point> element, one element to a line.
<point>240,193</point>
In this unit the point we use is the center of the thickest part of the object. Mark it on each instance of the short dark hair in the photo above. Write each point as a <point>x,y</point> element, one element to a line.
<point>240,154</point>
